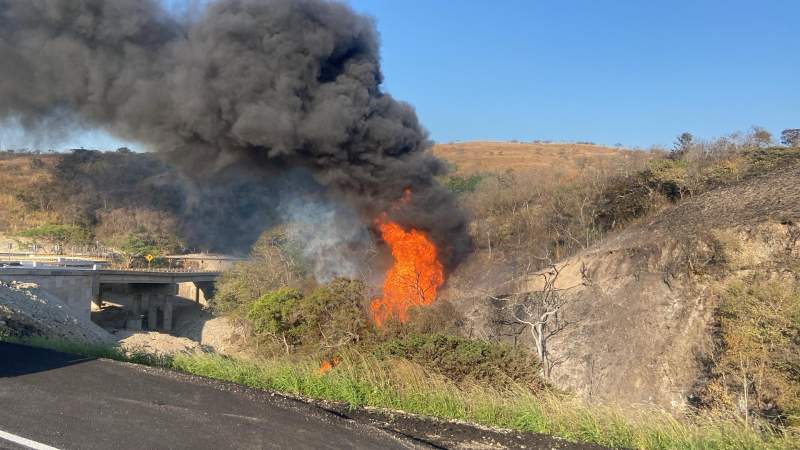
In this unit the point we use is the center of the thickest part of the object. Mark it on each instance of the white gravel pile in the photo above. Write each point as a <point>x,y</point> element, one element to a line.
<point>24,304</point>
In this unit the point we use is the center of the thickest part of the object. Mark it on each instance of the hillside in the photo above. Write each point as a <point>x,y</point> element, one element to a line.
<point>21,174</point>
<point>469,158</point>
<point>123,198</point>
<point>668,310</point>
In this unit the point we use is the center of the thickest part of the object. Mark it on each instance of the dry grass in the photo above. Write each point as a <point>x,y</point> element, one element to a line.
<point>533,158</point>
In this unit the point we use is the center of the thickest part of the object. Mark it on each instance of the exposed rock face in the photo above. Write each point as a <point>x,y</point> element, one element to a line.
<point>642,304</point>
<point>28,310</point>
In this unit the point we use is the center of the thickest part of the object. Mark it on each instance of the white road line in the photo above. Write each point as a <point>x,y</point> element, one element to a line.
<point>24,442</point>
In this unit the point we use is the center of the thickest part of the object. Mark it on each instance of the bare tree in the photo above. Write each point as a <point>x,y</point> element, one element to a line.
<point>540,312</point>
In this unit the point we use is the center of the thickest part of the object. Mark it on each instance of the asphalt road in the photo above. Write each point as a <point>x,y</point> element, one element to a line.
<point>69,402</point>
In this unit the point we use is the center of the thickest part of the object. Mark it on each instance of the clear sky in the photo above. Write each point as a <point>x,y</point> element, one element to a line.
<point>637,72</point>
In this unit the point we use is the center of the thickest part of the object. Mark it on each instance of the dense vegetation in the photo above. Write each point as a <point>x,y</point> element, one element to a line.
<point>288,313</point>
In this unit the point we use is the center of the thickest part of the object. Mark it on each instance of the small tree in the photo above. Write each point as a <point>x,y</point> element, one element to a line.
<point>760,137</point>
<point>682,145</point>
<point>142,242</point>
<point>273,263</point>
<point>540,313</point>
<point>335,313</point>
<point>276,315</point>
<point>791,137</point>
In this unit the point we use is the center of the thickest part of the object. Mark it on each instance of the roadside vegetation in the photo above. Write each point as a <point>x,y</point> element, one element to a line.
<point>756,369</point>
<point>363,380</point>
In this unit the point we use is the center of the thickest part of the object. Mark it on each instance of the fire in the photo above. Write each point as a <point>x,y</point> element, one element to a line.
<point>327,365</point>
<point>415,275</point>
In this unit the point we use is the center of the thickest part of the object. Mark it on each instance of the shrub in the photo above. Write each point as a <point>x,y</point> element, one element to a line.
<point>759,348</point>
<point>670,177</point>
<point>276,315</point>
<point>329,317</point>
<point>460,185</point>
<point>274,263</point>
<point>461,359</point>
<point>764,159</point>
<point>625,199</point>
<point>142,242</point>
<point>441,317</point>
<point>335,313</point>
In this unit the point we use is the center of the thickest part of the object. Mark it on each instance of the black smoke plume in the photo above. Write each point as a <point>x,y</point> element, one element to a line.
<point>272,86</point>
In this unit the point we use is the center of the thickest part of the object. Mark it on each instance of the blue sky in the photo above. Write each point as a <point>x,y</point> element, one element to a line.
<point>635,72</point>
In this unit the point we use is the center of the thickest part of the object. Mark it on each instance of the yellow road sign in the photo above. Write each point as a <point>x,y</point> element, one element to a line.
<point>149,258</point>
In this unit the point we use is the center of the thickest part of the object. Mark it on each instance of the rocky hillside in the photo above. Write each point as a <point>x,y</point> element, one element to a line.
<point>649,315</point>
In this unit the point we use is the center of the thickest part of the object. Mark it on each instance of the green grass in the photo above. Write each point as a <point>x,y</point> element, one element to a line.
<point>363,380</point>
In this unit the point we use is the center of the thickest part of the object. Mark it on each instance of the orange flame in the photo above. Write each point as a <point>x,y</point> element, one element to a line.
<point>414,277</point>
<point>326,365</point>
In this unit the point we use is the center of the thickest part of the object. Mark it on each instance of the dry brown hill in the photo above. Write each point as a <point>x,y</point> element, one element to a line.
<point>486,156</point>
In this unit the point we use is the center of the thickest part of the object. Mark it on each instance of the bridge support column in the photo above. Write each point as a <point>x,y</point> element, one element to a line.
<point>136,304</point>
<point>96,300</point>
<point>135,320</point>
<point>167,314</point>
<point>152,316</point>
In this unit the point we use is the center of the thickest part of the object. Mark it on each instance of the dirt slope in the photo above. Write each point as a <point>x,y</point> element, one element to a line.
<point>642,303</point>
<point>195,329</point>
<point>26,310</point>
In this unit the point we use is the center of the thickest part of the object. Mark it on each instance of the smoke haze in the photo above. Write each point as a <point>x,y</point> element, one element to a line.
<point>246,87</point>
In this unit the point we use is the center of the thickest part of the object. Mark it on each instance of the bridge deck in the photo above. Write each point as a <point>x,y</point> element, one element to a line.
<point>160,276</point>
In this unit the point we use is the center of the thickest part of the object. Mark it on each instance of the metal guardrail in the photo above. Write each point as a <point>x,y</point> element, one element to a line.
<point>159,270</point>
<point>113,270</point>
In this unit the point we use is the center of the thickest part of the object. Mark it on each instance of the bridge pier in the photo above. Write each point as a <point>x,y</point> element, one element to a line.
<point>167,325</point>
<point>136,304</point>
<point>135,320</point>
<point>97,301</point>
<point>152,316</point>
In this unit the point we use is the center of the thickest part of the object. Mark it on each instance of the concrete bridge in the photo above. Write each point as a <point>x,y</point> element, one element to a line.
<point>145,293</point>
